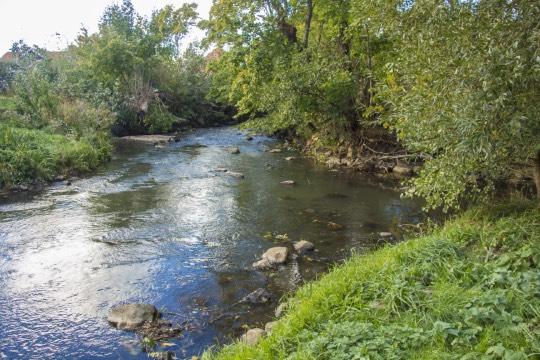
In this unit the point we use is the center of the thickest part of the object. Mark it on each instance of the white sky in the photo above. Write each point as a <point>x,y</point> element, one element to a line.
<point>38,21</point>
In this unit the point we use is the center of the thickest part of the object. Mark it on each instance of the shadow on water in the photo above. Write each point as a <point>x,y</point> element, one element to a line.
<point>161,225</point>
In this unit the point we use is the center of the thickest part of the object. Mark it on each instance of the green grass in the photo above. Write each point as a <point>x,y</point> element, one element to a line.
<point>7,103</point>
<point>30,155</point>
<point>470,290</point>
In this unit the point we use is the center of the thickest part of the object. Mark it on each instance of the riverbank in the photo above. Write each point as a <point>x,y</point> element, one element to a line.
<point>31,155</point>
<point>468,290</point>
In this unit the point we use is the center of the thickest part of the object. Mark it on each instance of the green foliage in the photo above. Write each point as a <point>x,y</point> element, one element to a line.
<point>468,291</point>
<point>29,155</point>
<point>455,81</point>
<point>44,131</point>
<point>463,89</point>
<point>159,120</point>
<point>132,60</point>
<point>36,96</point>
<point>7,75</point>
<point>277,82</point>
<point>7,103</point>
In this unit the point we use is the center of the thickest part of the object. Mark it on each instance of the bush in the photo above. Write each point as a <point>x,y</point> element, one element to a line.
<point>35,95</point>
<point>159,119</point>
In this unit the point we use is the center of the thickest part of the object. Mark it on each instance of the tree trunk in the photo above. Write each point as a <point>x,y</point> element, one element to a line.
<point>307,29</point>
<point>537,173</point>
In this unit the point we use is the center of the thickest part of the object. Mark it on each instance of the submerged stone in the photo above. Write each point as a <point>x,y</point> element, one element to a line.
<point>334,226</point>
<point>234,174</point>
<point>288,182</point>
<point>259,296</point>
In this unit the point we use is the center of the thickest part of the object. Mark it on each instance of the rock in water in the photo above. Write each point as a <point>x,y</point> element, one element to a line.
<point>252,336</point>
<point>235,174</point>
<point>276,255</point>
<point>303,246</point>
<point>289,158</point>
<point>333,162</point>
<point>275,151</point>
<point>132,316</point>
<point>386,235</point>
<point>259,296</point>
<point>288,182</point>
<point>262,264</point>
<point>161,355</point>
<point>233,150</point>
<point>334,226</point>
<point>402,169</point>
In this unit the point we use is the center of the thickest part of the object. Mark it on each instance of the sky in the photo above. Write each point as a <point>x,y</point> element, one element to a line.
<point>52,24</point>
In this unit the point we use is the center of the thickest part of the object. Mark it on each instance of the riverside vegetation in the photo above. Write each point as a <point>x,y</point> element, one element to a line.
<point>447,88</point>
<point>58,110</point>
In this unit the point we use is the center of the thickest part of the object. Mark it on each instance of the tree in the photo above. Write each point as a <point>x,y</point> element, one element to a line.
<point>126,58</point>
<point>463,89</point>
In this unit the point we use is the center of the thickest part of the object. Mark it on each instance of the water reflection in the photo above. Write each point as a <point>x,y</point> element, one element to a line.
<point>162,226</point>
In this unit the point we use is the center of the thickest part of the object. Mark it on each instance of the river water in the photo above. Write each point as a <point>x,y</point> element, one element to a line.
<point>160,225</point>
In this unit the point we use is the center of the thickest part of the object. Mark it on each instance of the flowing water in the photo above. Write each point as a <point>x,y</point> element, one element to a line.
<point>160,225</point>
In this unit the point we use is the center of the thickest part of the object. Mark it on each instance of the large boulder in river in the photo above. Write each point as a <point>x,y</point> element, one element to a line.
<point>272,257</point>
<point>233,150</point>
<point>132,316</point>
<point>276,255</point>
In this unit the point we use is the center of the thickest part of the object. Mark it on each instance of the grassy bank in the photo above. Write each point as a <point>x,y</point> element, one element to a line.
<point>29,155</point>
<point>470,290</point>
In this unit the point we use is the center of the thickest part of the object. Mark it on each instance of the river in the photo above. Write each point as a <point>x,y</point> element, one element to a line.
<point>160,225</point>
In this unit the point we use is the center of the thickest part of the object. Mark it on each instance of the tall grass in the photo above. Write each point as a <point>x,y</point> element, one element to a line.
<point>470,290</point>
<point>30,155</point>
